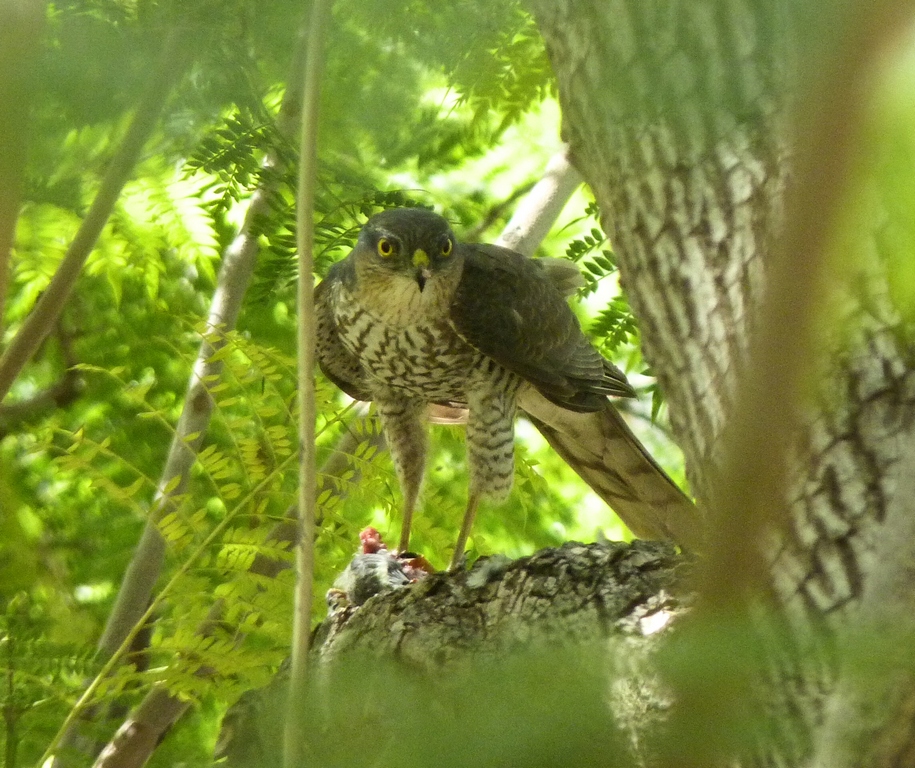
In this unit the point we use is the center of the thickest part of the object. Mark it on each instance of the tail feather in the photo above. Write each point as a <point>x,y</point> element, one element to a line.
<point>605,453</point>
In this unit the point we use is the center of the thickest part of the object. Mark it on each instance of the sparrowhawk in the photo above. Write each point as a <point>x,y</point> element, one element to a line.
<point>412,316</point>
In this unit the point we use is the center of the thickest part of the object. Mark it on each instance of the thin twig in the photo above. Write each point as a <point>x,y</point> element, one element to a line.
<point>64,391</point>
<point>175,57</point>
<point>495,212</point>
<point>294,740</point>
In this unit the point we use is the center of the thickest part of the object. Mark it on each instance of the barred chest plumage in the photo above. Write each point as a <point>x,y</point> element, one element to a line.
<point>425,356</point>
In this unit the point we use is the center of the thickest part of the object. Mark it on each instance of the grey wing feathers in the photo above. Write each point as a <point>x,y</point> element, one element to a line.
<point>335,360</point>
<point>509,308</point>
<point>564,274</point>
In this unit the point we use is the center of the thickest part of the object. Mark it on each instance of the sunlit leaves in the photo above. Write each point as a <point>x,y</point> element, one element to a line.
<point>42,676</point>
<point>416,92</point>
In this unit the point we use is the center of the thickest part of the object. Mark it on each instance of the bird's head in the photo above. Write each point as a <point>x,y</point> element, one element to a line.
<point>408,244</point>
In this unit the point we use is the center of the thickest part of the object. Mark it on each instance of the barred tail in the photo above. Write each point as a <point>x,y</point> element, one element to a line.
<point>601,448</point>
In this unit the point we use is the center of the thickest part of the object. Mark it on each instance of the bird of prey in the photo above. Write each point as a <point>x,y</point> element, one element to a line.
<point>413,317</point>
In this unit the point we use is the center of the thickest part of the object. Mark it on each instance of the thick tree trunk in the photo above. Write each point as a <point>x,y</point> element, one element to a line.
<point>671,120</point>
<point>675,114</point>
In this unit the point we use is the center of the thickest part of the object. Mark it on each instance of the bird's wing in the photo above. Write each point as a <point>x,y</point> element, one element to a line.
<point>508,307</point>
<point>339,364</point>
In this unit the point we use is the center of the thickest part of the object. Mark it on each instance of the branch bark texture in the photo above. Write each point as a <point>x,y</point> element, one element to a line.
<point>444,648</point>
<point>678,115</point>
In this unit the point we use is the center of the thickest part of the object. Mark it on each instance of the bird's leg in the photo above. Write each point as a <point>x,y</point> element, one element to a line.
<point>405,433</point>
<point>473,501</point>
<point>490,450</point>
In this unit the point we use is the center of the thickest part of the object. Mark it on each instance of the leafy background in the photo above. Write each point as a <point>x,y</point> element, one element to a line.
<point>444,104</point>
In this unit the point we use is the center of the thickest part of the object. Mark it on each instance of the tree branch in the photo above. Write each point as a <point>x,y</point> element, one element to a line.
<point>474,234</point>
<point>750,491</point>
<point>142,731</point>
<point>749,494</point>
<point>157,713</point>
<point>173,60</point>
<point>232,283</point>
<point>452,632</point>
<point>538,211</point>
<point>59,394</point>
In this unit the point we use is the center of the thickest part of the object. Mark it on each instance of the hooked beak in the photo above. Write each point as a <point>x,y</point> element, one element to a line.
<point>421,263</point>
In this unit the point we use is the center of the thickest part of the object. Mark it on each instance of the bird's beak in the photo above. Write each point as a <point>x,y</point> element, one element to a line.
<point>421,263</point>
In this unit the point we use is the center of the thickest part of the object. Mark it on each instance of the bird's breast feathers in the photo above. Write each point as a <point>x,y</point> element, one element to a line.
<point>402,343</point>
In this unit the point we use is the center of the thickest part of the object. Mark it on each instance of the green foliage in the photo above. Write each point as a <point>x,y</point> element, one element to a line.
<point>534,709</point>
<point>427,104</point>
<point>614,329</point>
<point>42,676</point>
<point>885,195</point>
<point>591,251</point>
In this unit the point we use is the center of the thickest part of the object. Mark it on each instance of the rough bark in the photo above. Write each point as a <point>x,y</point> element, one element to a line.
<point>448,629</point>
<point>871,718</point>
<point>575,594</point>
<point>676,113</point>
<point>663,107</point>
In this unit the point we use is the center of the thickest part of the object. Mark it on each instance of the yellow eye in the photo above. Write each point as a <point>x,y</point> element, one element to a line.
<point>447,247</point>
<point>385,247</point>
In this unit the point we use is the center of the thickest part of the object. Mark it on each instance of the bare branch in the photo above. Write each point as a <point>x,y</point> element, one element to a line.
<point>139,735</point>
<point>173,60</point>
<point>65,390</point>
<point>473,235</point>
<point>232,283</point>
<point>535,216</point>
